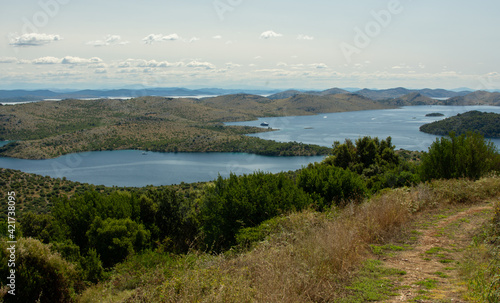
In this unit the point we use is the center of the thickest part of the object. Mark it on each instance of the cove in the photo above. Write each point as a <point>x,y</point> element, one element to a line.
<point>136,168</point>
<point>402,124</point>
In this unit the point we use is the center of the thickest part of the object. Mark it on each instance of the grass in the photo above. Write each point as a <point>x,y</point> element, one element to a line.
<point>481,265</point>
<point>303,257</point>
<point>372,283</point>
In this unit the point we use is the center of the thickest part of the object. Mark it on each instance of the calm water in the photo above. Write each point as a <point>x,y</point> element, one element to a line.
<point>132,168</point>
<point>401,124</point>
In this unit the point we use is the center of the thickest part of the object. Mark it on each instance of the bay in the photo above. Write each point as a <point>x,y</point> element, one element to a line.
<point>136,168</point>
<point>402,124</point>
<point>133,168</point>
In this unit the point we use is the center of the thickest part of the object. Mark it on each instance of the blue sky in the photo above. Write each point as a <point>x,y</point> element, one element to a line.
<point>314,44</point>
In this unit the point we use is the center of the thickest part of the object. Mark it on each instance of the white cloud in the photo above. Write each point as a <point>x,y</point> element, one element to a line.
<point>232,65</point>
<point>319,65</point>
<point>33,39</point>
<point>194,39</point>
<point>198,64</point>
<point>78,60</point>
<point>109,40</point>
<point>281,64</point>
<point>8,60</point>
<point>305,37</point>
<point>152,38</point>
<point>217,37</point>
<point>270,34</point>
<point>46,60</point>
<point>401,66</point>
<point>154,63</point>
<point>147,63</point>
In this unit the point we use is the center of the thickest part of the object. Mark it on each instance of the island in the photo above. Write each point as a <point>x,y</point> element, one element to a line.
<point>487,124</point>
<point>49,129</point>
<point>435,115</point>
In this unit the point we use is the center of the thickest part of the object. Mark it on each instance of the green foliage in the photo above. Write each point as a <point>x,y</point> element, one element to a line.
<point>93,270</point>
<point>173,222</point>
<point>245,201</point>
<point>42,227</point>
<point>78,213</point>
<point>115,239</point>
<point>376,161</point>
<point>367,154</point>
<point>41,275</point>
<point>486,124</point>
<point>465,156</point>
<point>334,185</point>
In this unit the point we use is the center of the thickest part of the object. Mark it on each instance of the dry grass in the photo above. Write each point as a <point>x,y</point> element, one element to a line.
<point>311,259</point>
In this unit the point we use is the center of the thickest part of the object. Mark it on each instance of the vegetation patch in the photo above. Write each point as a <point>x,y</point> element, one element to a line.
<point>486,124</point>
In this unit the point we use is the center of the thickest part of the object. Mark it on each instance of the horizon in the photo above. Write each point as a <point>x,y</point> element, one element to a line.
<point>231,44</point>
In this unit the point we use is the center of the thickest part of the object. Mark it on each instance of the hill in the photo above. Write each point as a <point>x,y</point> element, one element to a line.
<point>475,98</point>
<point>292,92</point>
<point>50,129</point>
<point>310,104</point>
<point>487,124</point>
<point>400,91</point>
<point>410,99</point>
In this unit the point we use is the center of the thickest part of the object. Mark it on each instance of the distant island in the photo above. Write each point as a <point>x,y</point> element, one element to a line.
<point>434,115</point>
<point>487,124</point>
<point>46,129</point>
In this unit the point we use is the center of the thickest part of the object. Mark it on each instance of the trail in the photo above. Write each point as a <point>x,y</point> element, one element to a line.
<point>431,265</point>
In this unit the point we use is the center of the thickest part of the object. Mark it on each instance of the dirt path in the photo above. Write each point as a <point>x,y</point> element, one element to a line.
<point>431,264</point>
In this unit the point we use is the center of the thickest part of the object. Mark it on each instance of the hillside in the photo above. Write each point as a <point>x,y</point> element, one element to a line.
<point>410,99</point>
<point>309,104</point>
<point>49,129</point>
<point>399,246</point>
<point>487,124</point>
<point>475,98</point>
<point>392,93</point>
<point>333,231</point>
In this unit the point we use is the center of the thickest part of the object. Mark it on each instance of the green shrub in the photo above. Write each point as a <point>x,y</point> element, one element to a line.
<point>41,275</point>
<point>334,185</point>
<point>245,201</point>
<point>115,239</point>
<point>466,156</point>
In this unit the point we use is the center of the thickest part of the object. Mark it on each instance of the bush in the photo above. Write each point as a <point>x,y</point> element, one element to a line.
<point>245,201</point>
<point>115,239</point>
<point>41,275</point>
<point>334,185</point>
<point>466,156</point>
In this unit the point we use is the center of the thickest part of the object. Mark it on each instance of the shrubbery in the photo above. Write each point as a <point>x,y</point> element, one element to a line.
<point>245,201</point>
<point>464,156</point>
<point>331,184</point>
<point>41,275</point>
<point>97,228</point>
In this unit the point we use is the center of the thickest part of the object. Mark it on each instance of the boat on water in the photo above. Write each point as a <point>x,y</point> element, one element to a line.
<point>264,124</point>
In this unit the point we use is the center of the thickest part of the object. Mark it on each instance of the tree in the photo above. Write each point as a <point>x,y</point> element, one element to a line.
<point>41,275</point>
<point>115,239</point>
<point>466,156</point>
<point>334,185</point>
<point>245,201</point>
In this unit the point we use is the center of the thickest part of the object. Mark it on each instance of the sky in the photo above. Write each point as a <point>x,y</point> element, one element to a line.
<point>274,44</point>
